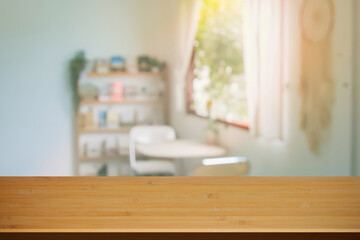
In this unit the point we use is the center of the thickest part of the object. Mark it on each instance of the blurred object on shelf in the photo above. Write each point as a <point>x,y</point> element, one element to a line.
<point>117,64</point>
<point>103,148</point>
<point>110,148</point>
<point>127,118</point>
<point>112,119</point>
<point>101,66</point>
<point>104,92</point>
<point>89,120</point>
<point>103,171</point>
<point>102,119</point>
<point>143,93</point>
<point>88,91</point>
<point>161,91</point>
<point>144,64</point>
<point>93,150</point>
<point>130,92</point>
<point>117,92</point>
<point>84,150</point>
<point>123,145</point>
<point>155,65</point>
<point>89,169</point>
<point>131,65</point>
<point>81,121</point>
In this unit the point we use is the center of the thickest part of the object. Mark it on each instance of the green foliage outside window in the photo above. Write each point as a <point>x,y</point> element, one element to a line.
<point>219,62</point>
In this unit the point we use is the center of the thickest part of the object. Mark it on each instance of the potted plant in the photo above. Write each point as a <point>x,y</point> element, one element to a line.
<point>212,128</point>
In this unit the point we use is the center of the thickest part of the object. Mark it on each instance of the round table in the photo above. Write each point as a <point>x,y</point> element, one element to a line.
<point>180,149</point>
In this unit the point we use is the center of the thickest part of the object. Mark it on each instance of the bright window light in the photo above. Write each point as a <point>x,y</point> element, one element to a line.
<point>224,160</point>
<point>218,87</point>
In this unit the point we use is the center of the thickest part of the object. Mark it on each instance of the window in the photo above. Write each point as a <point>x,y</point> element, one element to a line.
<point>216,84</point>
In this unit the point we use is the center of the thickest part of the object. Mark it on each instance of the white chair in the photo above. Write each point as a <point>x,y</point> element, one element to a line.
<point>147,135</point>
<point>226,166</point>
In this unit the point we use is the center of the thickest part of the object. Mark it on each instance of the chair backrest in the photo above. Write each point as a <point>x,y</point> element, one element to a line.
<point>148,134</point>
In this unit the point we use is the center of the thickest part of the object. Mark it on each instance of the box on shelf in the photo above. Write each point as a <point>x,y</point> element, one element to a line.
<point>112,119</point>
<point>117,92</point>
<point>117,64</point>
<point>89,169</point>
<point>127,118</point>
<point>102,118</point>
<point>86,120</point>
<point>101,66</point>
<point>88,91</point>
<point>92,150</point>
<point>110,147</point>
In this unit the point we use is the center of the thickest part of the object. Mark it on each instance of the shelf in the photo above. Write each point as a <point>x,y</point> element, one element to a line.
<point>102,158</point>
<point>140,102</point>
<point>88,102</point>
<point>125,74</point>
<point>105,130</point>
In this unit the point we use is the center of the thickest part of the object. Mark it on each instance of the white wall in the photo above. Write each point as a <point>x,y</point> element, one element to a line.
<point>292,157</point>
<point>37,39</point>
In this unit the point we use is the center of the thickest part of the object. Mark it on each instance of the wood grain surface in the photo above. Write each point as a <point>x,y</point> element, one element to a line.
<point>179,204</point>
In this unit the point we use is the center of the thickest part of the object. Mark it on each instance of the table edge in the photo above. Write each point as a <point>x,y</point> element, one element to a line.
<point>181,230</point>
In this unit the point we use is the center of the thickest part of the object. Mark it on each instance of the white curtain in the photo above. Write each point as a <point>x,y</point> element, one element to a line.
<point>263,57</point>
<point>187,23</point>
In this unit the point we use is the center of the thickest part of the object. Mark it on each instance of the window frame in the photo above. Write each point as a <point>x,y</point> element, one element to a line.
<point>189,92</point>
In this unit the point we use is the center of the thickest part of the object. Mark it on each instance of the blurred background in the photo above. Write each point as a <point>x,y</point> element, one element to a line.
<point>179,87</point>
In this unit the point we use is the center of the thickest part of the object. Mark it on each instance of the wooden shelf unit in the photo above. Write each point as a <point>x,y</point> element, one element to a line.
<point>106,158</point>
<point>121,130</point>
<point>102,158</point>
<point>105,130</point>
<point>127,102</point>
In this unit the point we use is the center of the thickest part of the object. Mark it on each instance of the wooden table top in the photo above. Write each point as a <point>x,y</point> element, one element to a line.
<point>179,204</point>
